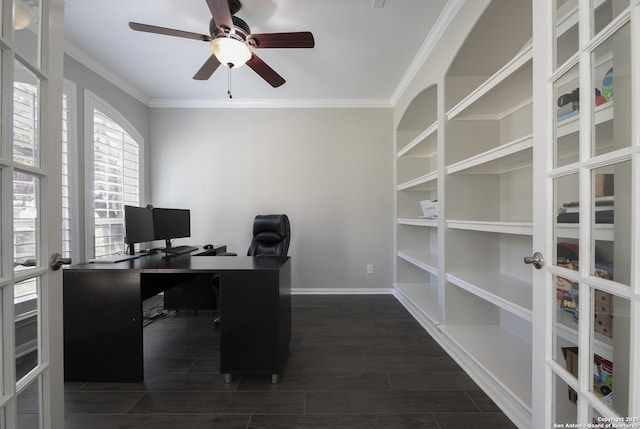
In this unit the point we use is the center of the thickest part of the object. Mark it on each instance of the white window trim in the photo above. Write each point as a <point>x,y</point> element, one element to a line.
<point>91,102</point>
<point>70,89</point>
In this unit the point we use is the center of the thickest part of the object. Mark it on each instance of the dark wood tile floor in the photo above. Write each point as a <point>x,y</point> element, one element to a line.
<point>355,362</point>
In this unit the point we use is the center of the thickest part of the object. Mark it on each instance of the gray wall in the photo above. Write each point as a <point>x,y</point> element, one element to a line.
<point>330,170</point>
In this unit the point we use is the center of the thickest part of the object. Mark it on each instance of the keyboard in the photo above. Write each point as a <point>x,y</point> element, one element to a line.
<point>111,259</point>
<point>179,250</point>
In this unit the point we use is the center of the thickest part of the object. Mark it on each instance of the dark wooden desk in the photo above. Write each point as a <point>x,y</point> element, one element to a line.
<point>103,313</point>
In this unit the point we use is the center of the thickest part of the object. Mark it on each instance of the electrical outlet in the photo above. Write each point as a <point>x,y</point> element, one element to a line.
<point>370,269</point>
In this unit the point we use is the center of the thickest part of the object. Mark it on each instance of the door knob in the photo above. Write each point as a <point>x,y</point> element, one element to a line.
<point>56,261</point>
<point>537,260</point>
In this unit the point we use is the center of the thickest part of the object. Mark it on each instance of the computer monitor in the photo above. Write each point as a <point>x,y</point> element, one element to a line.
<point>138,225</point>
<point>171,223</point>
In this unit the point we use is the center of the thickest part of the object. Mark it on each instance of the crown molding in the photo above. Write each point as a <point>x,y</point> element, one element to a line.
<point>444,20</point>
<point>258,104</point>
<point>104,72</point>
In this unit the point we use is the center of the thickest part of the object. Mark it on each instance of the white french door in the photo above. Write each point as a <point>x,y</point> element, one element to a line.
<point>587,168</point>
<point>31,366</point>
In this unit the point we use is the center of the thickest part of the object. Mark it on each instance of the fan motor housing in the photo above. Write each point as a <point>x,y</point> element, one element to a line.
<point>241,28</point>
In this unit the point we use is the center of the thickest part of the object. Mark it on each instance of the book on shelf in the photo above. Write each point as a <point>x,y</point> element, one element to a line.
<point>602,375</point>
<point>603,208</point>
<point>564,117</point>
<point>567,109</point>
<point>602,216</point>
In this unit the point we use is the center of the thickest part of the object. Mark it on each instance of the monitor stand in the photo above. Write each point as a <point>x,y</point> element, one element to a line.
<point>131,249</point>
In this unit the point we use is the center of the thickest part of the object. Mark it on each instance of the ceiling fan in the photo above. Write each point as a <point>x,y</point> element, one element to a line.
<point>230,41</point>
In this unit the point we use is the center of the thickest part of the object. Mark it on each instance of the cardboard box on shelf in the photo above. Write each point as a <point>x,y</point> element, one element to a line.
<point>571,362</point>
<point>602,374</point>
<point>603,317</point>
<point>603,185</point>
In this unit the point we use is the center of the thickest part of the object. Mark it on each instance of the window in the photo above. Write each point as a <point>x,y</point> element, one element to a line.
<point>116,167</point>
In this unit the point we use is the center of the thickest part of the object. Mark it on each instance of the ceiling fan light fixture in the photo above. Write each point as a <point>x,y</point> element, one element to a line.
<point>23,15</point>
<point>230,52</point>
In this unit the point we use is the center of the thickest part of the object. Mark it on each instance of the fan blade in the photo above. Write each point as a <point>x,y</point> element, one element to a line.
<point>265,72</point>
<point>207,68</point>
<point>221,14</point>
<point>168,31</point>
<point>302,39</point>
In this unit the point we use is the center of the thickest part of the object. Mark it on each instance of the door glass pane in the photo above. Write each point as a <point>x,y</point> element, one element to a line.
<point>27,29</point>
<point>565,325</point>
<point>600,422</point>
<point>2,367</point>
<point>567,133</point>
<point>610,350</point>
<point>565,408</point>
<point>566,23</point>
<point>612,113</point>
<point>2,147</point>
<point>3,237</point>
<point>605,11</point>
<point>25,116</point>
<point>611,241</point>
<point>26,223</point>
<point>26,326</point>
<point>566,195</point>
<point>29,407</point>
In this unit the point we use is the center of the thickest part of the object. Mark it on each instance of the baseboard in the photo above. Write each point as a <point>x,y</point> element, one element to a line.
<point>341,291</point>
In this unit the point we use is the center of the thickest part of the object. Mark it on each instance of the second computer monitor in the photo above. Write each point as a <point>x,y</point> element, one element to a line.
<point>171,223</point>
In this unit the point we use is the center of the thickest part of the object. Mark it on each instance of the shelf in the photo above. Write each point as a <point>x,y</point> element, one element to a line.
<point>571,125</point>
<point>414,148</point>
<point>568,16</point>
<point>507,157</point>
<point>418,222</point>
<point>504,291</point>
<point>423,296</point>
<point>518,228</point>
<point>504,356</point>
<point>421,183</point>
<point>566,328</point>
<point>508,90</point>
<point>424,260</point>
<point>603,232</point>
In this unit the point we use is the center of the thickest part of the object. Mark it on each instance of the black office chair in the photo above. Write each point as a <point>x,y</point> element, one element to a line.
<point>271,237</point>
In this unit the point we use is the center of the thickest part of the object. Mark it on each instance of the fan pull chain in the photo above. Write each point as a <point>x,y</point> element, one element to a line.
<point>229,81</point>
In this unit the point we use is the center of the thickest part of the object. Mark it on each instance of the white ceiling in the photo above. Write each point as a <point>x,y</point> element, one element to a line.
<point>361,52</point>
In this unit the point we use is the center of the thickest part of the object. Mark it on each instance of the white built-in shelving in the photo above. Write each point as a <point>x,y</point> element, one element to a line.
<point>489,212</point>
<point>502,355</point>
<point>502,290</point>
<point>416,181</point>
<point>481,305</point>
<point>461,273</point>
